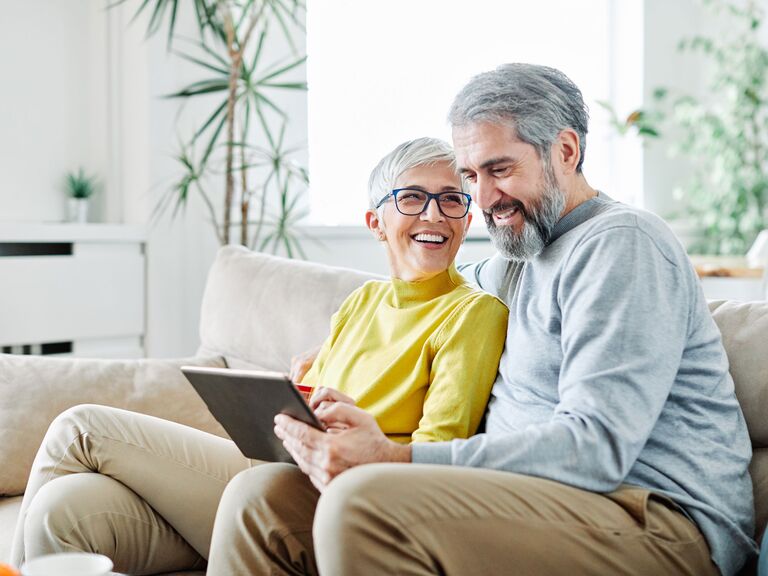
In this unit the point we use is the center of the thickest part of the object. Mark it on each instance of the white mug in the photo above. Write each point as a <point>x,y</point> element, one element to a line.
<point>68,564</point>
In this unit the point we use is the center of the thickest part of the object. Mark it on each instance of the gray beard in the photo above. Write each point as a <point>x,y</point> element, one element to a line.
<point>538,222</point>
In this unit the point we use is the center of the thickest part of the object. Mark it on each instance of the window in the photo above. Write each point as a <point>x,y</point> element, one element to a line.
<point>383,72</point>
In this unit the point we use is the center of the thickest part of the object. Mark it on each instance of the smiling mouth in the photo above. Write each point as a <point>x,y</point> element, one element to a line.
<point>503,214</point>
<point>429,238</point>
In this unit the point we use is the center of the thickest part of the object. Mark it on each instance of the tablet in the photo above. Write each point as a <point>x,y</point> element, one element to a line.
<point>245,402</point>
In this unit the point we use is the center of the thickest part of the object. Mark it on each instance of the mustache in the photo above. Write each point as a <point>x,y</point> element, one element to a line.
<point>502,206</point>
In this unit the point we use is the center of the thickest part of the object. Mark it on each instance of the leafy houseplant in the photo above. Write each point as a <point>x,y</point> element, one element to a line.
<point>259,180</point>
<point>79,187</point>
<point>724,136</point>
<point>727,139</point>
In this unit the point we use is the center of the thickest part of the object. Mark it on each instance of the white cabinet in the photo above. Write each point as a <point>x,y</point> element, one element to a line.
<point>76,289</point>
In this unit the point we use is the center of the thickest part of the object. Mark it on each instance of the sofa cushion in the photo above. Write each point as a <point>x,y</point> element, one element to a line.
<point>35,390</point>
<point>259,310</point>
<point>758,469</point>
<point>744,326</point>
<point>9,512</point>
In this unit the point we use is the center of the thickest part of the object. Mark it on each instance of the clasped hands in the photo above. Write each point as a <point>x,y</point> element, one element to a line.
<point>352,437</point>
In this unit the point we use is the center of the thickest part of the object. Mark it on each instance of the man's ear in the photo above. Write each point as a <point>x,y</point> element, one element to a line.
<point>466,226</point>
<point>566,151</point>
<point>375,225</point>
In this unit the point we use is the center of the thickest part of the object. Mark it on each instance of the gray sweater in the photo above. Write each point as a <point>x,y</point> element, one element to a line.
<point>614,373</point>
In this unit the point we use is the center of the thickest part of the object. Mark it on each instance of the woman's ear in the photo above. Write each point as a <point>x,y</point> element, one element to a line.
<point>375,225</point>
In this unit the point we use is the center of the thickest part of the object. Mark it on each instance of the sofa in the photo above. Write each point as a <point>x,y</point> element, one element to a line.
<point>257,312</point>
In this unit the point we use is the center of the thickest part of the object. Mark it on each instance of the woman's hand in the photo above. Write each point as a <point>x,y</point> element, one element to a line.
<point>323,395</point>
<point>301,363</point>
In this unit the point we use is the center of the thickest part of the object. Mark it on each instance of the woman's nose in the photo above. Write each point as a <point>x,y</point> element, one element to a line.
<point>432,212</point>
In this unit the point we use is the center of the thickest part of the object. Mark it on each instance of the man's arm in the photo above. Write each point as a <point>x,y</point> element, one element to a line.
<point>488,274</point>
<point>624,309</point>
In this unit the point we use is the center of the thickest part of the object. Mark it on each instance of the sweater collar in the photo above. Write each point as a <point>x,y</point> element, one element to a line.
<point>580,214</point>
<point>407,294</point>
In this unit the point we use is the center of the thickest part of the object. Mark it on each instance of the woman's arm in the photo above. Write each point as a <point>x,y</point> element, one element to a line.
<point>464,367</point>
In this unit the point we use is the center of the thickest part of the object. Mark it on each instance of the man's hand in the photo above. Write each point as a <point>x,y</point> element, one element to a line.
<point>301,363</point>
<point>352,438</point>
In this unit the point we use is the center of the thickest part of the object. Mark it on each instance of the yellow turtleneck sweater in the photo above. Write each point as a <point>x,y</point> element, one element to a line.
<point>421,357</point>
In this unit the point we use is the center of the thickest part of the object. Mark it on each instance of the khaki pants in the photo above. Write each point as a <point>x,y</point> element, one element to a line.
<point>153,505</point>
<point>150,507</point>
<point>409,519</point>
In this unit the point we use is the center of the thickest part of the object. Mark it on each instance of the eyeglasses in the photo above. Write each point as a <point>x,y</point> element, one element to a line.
<point>412,202</point>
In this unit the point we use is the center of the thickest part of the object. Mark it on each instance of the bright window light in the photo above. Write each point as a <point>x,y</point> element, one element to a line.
<point>381,72</point>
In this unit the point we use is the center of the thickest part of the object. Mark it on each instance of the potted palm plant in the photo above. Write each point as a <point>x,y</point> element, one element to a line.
<point>242,137</point>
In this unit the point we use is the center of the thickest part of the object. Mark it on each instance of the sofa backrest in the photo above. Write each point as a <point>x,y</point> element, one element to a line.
<point>259,310</point>
<point>744,326</point>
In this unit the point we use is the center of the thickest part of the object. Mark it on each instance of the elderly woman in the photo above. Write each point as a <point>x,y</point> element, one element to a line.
<point>419,352</point>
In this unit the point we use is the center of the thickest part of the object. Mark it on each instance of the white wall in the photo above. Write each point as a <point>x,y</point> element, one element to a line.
<point>53,117</point>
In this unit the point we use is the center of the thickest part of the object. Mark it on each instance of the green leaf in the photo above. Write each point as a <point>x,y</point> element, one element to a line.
<point>283,70</point>
<point>648,131</point>
<point>172,23</point>
<point>221,109</point>
<point>212,141</point>
<point>286,85</point>
<point>213,67</point>
<point>257,54</point>
<point>263,99</point>
<point>202,87</point>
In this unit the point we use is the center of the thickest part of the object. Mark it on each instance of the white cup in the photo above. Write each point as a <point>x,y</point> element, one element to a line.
<point>68,564</point>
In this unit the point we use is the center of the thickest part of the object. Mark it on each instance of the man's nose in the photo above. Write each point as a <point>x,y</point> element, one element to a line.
<point>484,193</point>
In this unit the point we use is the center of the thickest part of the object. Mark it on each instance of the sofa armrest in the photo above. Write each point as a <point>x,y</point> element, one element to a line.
<point>34,390</point>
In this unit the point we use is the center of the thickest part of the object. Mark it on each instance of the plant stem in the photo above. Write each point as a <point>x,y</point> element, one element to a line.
<point>245,201</point>
<point>236,51</point>
<point>245,198</point>
<point>235,58</point>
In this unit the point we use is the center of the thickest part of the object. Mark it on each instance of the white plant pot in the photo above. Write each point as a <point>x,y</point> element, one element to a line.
<point>78,210</point>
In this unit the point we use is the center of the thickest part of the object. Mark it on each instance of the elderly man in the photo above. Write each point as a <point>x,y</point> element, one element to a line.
<point>614,443</point>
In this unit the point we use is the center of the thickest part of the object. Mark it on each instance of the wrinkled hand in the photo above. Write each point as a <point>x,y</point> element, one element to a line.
<point>301,363</point>
<point>352,438</point>
<point>323,396</point>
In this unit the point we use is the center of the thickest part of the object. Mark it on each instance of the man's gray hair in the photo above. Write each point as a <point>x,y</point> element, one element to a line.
<point>418,152</point>
<point>538,102</point>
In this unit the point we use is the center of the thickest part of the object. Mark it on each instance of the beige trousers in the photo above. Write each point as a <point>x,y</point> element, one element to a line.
<point>151,504</point>
<point>408,519</point>
<point>151,507</point>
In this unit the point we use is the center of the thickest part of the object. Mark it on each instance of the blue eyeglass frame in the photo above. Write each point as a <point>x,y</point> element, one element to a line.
<point>430,197</point>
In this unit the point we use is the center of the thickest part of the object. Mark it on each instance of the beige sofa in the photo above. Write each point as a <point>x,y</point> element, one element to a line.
<point>257,312</point>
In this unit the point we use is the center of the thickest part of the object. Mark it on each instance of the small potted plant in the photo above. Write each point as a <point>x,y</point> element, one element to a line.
<point>79,188</point>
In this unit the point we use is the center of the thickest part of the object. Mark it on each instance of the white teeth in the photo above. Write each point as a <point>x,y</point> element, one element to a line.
<point>429,238</point>
<point>506,214</point>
